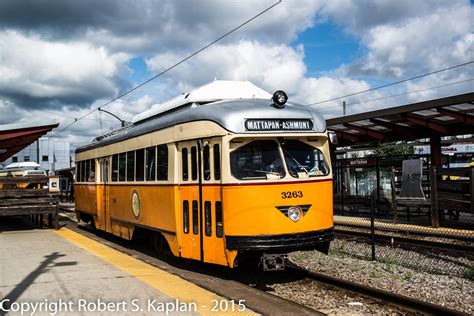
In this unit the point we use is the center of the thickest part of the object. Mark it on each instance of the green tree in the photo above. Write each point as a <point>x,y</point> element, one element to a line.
<point>394,149</point>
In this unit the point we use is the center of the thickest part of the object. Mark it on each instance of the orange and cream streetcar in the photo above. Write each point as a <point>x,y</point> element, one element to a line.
<point>222,174</point>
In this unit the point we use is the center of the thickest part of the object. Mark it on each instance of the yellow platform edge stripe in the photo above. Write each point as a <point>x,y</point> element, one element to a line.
<point>167,283</point>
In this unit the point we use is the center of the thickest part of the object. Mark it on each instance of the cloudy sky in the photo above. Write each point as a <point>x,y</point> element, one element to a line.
<point>61,58</point>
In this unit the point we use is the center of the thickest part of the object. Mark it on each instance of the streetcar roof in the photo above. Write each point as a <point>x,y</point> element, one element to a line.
<point>214,91</point>
<point>230,114</point>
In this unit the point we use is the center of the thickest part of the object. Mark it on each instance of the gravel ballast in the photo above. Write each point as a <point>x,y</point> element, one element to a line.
<point>452,291</point>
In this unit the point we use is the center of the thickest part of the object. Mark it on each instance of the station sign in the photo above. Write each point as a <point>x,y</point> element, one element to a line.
<point>452,149</point>
<point>278,125</point>
<point>358,162</point>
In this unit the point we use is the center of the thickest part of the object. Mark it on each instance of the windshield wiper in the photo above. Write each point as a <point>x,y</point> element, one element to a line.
<point>295,161</point>
<point>262,171</point>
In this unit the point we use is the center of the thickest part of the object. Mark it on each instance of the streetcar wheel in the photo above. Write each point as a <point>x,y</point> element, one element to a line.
<point>160,244</point>
<point>92,223</point>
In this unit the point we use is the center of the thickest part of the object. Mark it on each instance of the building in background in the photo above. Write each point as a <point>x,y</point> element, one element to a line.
<point>53,154</point>
<point>454,156</point>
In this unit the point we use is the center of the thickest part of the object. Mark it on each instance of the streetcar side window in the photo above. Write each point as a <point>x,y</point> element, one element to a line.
<point>208,218</point>
<point>186,217</point>
<point>115,168</point>
<point>217,162</point>
<point>139,164</point>
<point>150,163</point>
<point>162,167</point>
<point>206,163</point>
<point>184,161</point>
<point>83,173</point>
<point>195,218</point>
<point>130,165</point>
<point>122,165</point>
<point>88,170</point>
<point>219,225</point>
<point>92,173</point>
<point>78,171</point>
<point>194,163</point>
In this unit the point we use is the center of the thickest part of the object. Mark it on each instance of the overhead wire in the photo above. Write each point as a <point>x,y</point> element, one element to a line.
<point>392,83</point>
<point>396,95</point>
<point>171,67</point>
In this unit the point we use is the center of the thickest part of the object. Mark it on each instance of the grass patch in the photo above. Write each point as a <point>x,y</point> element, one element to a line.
<point>407,276</point>
<point>469,273</point>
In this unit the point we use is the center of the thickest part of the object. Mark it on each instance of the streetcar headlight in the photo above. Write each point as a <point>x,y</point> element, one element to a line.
<point>279,99</point>
<point>294,213</point>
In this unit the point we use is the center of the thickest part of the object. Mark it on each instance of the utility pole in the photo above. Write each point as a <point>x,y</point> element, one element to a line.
<point>343,108</point>
<point>38,152</point>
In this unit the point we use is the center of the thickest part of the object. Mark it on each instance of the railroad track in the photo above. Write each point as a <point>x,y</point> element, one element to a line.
<point>389,238</point>
<point>257,297</point>
<point>405,303</point>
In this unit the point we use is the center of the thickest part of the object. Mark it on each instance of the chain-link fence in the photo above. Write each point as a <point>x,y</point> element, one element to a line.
<point>403,210</point>
<point>450,204</point>
<point>441,250</point>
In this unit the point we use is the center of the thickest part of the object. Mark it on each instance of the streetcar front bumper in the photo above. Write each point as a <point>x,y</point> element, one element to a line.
<point>281,243</point>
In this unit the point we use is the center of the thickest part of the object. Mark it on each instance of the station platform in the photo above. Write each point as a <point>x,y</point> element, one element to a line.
<point>44,272</point>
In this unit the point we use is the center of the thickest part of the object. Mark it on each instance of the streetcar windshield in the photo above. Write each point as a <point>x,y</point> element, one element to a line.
<point>303,160</point>
<point>257,160</point>
<point>267,159</point>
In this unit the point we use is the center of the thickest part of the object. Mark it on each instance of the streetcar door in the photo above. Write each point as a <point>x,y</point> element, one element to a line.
<point>102,195</point>
<point>189,226</point>
<point>201,217</point>
<point>211,201</point>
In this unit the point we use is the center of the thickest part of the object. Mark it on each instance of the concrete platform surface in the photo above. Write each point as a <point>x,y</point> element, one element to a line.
<point>44,272</point>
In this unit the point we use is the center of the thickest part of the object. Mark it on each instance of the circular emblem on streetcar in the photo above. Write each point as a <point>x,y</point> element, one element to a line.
<point>135,204</point>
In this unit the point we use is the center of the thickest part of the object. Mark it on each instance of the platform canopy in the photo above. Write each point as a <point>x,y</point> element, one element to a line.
<point>15,137</point>
<point>433,119</point>
<point>448,116</point>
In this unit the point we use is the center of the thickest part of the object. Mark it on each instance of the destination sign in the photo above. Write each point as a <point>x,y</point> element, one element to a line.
<point>278,125</point>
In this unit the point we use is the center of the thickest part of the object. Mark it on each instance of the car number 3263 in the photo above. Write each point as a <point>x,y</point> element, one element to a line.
<point>291,194</point>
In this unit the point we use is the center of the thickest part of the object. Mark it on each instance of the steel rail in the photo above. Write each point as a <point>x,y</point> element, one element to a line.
<point>404,302</point>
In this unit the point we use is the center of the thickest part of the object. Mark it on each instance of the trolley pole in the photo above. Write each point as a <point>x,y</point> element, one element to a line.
<point>372,224</point>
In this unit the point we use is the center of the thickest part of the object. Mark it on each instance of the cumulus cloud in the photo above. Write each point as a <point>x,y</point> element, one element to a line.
<point>269,66</point>
<point>404,38</point>
<point>13,113</point>
<point>64,54</point>
<point>360,16</point>
<point>84,130</point>
<point>149,26</point>
<point>420,44</point>
<point>35,72</point>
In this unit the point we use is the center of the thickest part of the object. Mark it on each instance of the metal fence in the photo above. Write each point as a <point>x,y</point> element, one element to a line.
<point>449,204</point>
<point>372,235</point>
